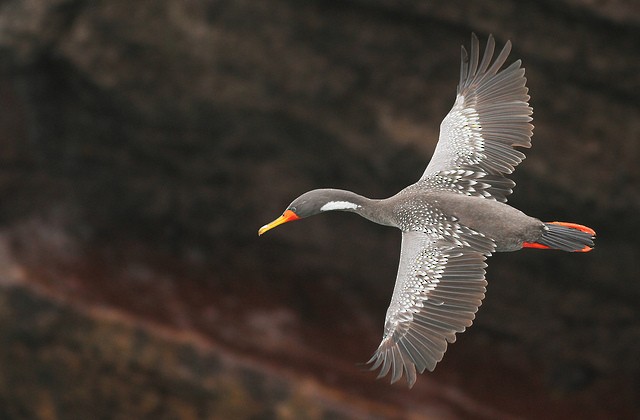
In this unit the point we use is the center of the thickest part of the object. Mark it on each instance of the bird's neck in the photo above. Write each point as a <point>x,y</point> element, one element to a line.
<point>342,200</point>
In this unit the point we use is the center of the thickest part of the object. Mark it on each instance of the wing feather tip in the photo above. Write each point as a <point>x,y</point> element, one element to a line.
<point>394,362</point>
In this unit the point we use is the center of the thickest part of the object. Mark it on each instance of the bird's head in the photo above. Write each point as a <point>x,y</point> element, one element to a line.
<point>312,203</point>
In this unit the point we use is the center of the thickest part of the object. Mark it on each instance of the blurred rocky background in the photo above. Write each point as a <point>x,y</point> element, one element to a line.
<point>143,143</point>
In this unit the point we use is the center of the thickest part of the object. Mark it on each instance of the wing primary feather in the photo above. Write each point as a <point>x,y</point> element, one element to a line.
<point>488,55</point>
<point>499,61</point>
<point>376,359</point>
<point>437,347</point>
<point>425,354</point>
<point>475,56</point>
<point>418,359</point>
<point>386,364</point>
<point>409,367</point>
<point>396,366</point>
<point>464,61</point>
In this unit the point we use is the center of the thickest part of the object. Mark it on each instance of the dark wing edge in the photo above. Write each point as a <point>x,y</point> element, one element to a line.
<point>438,290</point>
<point>490,117</point>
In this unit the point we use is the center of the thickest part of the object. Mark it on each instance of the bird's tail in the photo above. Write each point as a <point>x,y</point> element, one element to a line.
<point>565,237</point>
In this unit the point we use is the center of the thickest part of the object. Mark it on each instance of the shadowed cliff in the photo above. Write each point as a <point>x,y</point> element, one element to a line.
<point>142,145</point>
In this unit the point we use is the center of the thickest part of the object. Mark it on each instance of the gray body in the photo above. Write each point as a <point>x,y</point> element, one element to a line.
<point>507,226</point>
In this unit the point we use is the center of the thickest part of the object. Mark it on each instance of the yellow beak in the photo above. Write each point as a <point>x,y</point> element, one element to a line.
<point>287,216</point>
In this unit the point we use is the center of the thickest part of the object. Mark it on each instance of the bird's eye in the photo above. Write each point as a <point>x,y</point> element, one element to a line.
<point>293,209</point>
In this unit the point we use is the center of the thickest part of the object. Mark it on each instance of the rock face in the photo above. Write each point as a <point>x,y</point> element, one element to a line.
<point>143,143</point>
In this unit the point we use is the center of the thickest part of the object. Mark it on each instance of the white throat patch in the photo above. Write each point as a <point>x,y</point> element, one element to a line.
<point>338,205</point>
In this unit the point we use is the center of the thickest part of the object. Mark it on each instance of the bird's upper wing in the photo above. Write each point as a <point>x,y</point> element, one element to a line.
<point>439,287</point>
<point>490,116</point>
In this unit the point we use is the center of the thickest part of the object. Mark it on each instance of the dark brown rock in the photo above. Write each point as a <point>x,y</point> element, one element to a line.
<point>143,143</point>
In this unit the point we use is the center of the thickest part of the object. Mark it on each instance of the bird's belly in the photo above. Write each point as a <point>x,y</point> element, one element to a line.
<point>506,225</point>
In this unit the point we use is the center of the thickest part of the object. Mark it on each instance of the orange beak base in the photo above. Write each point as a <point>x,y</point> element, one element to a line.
<point>287,216</point>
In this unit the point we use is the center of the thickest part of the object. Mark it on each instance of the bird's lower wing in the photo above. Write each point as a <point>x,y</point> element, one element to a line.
<point>439,287</point>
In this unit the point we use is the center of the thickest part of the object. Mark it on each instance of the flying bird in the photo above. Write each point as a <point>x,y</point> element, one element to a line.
<point>454,216</point>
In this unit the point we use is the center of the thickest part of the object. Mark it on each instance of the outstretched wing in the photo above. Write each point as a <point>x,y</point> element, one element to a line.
<point>439,287</point>
<point>490,116</point>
